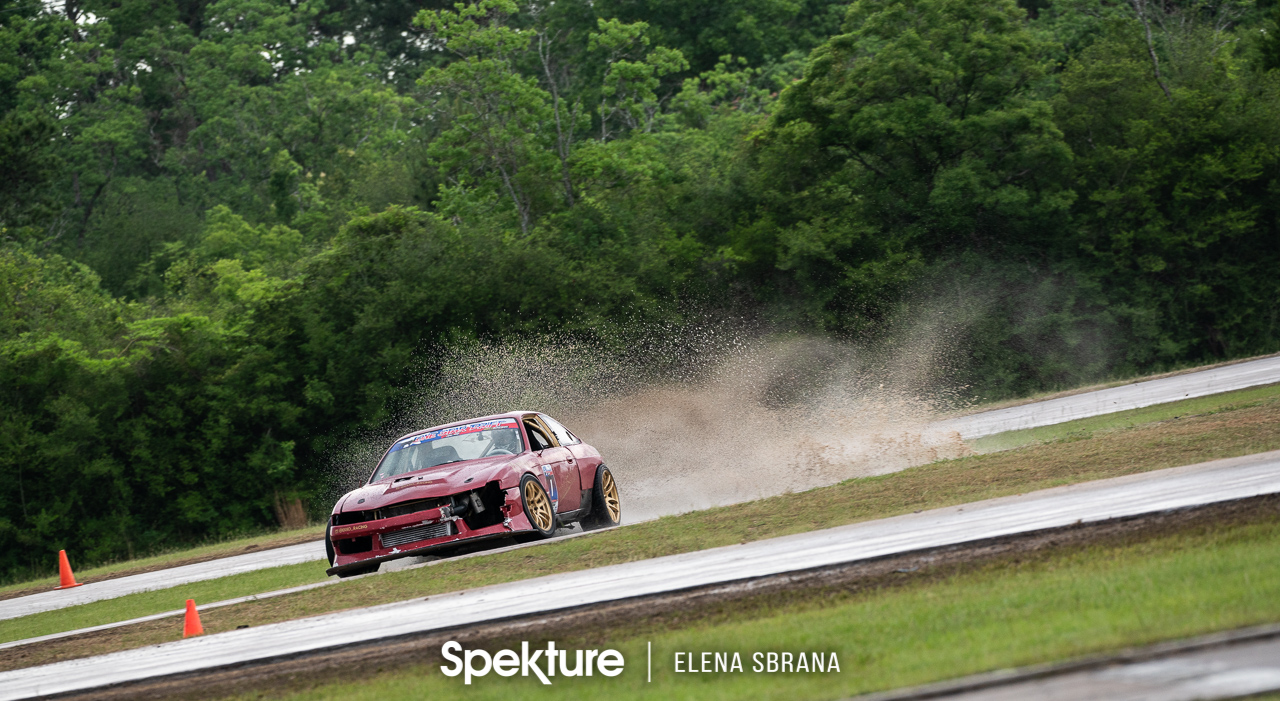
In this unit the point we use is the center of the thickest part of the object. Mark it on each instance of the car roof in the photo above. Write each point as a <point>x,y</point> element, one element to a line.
<point>508,415</point>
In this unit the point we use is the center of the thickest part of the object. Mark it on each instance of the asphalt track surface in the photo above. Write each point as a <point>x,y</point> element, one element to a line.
<point>160,579</point>
<point>1219,672</point>
<point>393,566</point>
<point>1132,495</point>
<point>1139,394</point>
<point>1226,378</point>
<point>167,614</point>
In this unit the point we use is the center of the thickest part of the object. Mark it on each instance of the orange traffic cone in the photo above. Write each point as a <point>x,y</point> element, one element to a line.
<point>191,622</point>
<point>68,580</point>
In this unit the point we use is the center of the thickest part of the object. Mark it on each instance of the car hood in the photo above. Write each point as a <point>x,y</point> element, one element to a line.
<point>434,482</point>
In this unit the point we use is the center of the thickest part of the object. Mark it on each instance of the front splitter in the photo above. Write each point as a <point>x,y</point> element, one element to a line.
<point>416,552</point>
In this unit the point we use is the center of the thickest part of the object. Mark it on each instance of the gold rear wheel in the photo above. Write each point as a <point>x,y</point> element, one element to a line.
<point>538,506</point>
<point>606,504</point>
<point>611,501</point>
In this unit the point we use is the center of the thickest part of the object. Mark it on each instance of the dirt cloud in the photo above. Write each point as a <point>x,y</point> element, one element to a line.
<point>712,414</point>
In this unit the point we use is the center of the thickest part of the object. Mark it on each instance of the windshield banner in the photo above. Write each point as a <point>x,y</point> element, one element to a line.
<point>454,431</point>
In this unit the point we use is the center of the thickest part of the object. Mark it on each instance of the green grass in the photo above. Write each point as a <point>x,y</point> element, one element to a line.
<point>1008,613</point>
<point>1086,428</point>
<point>147,603</point>
<point>219,548</point>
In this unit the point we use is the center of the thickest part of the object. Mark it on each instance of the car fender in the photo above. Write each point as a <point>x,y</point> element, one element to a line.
<point>337,508</point>
<point>587,460</point>
<point>509,475</point>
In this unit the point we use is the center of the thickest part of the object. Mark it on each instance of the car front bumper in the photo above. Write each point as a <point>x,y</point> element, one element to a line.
<point>403,532</point>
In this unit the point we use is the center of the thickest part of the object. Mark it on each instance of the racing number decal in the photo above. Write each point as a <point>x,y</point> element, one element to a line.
<point>555,494</point>
<point>534,424</point>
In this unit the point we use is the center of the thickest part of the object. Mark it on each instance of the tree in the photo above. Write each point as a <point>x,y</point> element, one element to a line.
<point>1270,44</point>
<point>495,119</point>
<point>915,132</point>
<point>761,31</point>
<point>1179,218</point>
<point>506,126</point>
<point>105,439</point>
<point>630,90</point>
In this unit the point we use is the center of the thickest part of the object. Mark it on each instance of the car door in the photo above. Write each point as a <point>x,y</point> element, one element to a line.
<point>554,461</point>
<point>582,461</point>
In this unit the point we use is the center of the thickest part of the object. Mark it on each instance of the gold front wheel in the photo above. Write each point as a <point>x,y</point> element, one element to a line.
<point>537,506</point>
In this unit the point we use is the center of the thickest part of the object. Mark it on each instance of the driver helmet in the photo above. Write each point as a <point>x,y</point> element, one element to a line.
<point>505,439</point>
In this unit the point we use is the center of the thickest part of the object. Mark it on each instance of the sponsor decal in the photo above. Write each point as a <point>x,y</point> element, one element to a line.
<point>551,480</point>
<point>453,431</point>
<point>544,663</point>
<point>348,529</point>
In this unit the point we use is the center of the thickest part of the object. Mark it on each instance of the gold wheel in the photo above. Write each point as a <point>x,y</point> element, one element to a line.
<point>611,502</point>
<point>538,506</point>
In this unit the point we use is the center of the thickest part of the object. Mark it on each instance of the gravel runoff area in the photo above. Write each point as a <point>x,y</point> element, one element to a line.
<point>1124,497</point>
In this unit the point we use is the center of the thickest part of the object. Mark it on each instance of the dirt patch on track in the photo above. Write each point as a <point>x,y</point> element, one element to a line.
<point>169,564</point>
<point>677,610</point>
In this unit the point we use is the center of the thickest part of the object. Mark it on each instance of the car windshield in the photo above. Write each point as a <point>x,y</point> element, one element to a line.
<point>453,444</point>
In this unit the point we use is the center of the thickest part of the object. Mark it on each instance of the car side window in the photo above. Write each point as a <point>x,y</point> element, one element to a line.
<point>562,433</point>
<point>537,439</point>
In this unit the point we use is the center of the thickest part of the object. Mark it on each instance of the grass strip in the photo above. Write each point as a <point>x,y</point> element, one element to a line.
<point>1246,430</point>
<point>1033,608</point>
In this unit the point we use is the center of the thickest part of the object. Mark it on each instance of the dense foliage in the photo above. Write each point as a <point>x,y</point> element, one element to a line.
<point>231,230</point>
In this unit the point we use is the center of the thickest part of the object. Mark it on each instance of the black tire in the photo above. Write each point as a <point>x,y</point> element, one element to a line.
<point>537,506</point>
<point>357,572</point>
<point>606,506</point>
<point>328,550</point>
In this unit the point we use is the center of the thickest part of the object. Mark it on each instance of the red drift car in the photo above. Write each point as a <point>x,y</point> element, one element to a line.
<point>520,475</point>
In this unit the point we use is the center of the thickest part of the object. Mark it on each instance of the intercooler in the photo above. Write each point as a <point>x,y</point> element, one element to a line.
<point>416,533</point>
